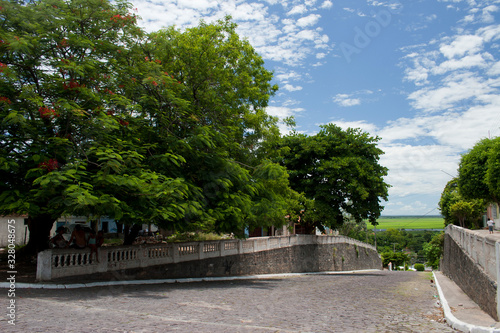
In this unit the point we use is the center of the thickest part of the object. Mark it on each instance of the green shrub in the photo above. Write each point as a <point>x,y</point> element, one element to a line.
<point>182,237</point>
<point>419,267</point>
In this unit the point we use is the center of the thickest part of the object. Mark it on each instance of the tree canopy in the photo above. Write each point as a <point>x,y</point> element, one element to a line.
<point>479,171</point>
<point>455,209</point>
<point>339,173</point>
<point>464,198</point>
<point>101,119</point>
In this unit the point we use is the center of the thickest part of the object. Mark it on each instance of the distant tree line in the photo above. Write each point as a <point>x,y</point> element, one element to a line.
<point>399,246</point>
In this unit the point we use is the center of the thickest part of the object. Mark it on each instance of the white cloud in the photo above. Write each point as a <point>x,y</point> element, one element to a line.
<point>283,112</point>
<point>291,88</point>
<point>351,99</point>
<point>455,89</point>
<point>307,35</point>
<point>326,5</point>
<point>461,45</point>
<point>310,3</point>
<point>489,33</point>
<point>308,20</point>
<point>363,125</point>
<point>404,129</point>
<point>346,100</point>
<point>487,16</point>
<point>287,76</point>
<point>494,69</point>
<point>289,41</point>
<point>300,9</point>
<point>467,62</point>
<point>417,169</point>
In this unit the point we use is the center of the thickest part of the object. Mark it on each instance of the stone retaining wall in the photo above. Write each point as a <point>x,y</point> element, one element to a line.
<point>296,259</point>
<point>263,255</point>
<point>470,261</point>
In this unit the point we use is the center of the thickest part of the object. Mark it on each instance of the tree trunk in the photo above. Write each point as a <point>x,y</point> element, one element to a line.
<point>131,233</point>
<point>119,227</point>
<point>39,227</point>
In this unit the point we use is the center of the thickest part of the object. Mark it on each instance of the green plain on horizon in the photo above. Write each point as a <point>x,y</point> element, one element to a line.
<point>409,222</point>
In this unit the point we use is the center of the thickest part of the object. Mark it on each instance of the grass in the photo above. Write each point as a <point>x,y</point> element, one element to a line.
<point>409,222</point>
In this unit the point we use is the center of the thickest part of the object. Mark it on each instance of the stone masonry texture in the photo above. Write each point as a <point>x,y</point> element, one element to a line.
<point>378,301</point>
<point>459,267</point>
<point>295,259</point>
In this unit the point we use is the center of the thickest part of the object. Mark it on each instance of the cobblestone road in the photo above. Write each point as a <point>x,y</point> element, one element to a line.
<point>360,302</point>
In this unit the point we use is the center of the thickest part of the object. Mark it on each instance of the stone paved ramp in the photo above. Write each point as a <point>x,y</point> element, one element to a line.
<point>379,301</point>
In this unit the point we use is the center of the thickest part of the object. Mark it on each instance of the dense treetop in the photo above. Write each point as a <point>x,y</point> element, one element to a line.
<point>464,198</point>
<point>100,118</point>
<point>339,173</point>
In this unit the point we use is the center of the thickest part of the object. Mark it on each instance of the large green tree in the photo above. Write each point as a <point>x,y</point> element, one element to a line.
<point>99,118</point>
<point>457,210</point>
<point>339,173</point>
<point>62,146</point>
<point>223,129</point>
<point>479,171</point>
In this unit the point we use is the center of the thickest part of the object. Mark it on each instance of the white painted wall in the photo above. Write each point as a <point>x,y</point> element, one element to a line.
<point>17,227</point>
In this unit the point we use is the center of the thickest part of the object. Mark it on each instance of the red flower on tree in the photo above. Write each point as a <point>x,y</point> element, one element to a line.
<point>46,112</point>
<point>49,165</point>
<point>72,84</point>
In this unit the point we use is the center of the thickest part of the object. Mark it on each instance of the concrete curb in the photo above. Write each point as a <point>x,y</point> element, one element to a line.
<point>456,323</point>
<point>7,285</point>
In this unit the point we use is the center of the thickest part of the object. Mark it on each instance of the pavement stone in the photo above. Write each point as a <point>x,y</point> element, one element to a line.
<point>375,301</point>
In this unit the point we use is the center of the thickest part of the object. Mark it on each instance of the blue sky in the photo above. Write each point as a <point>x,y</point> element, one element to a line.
<point>424,75</point>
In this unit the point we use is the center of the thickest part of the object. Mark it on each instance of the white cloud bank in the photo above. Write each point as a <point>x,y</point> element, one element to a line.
<point>289,39</point>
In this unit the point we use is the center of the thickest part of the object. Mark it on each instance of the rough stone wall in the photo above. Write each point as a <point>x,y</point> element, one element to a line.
<point>295,259</point>
<point>459,267</point>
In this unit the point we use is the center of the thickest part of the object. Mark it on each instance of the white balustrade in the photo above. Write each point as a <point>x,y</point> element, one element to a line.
<point>57,263</point>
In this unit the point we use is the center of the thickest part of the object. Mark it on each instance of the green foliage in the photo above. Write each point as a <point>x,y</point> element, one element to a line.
<point>399,240</point>
<point>182,237</point>
<point>354,230</point>
<point>459,211</point>
<point>449,196</point>
<point>100,118</point>
<point>397,258</point>
<point>419,267</point>
<point>339,173</point>
<point>468,211</point>
<point>493,170</point>
<point>58,85</point>
<point>479,171</point>
<point>434,250</point>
